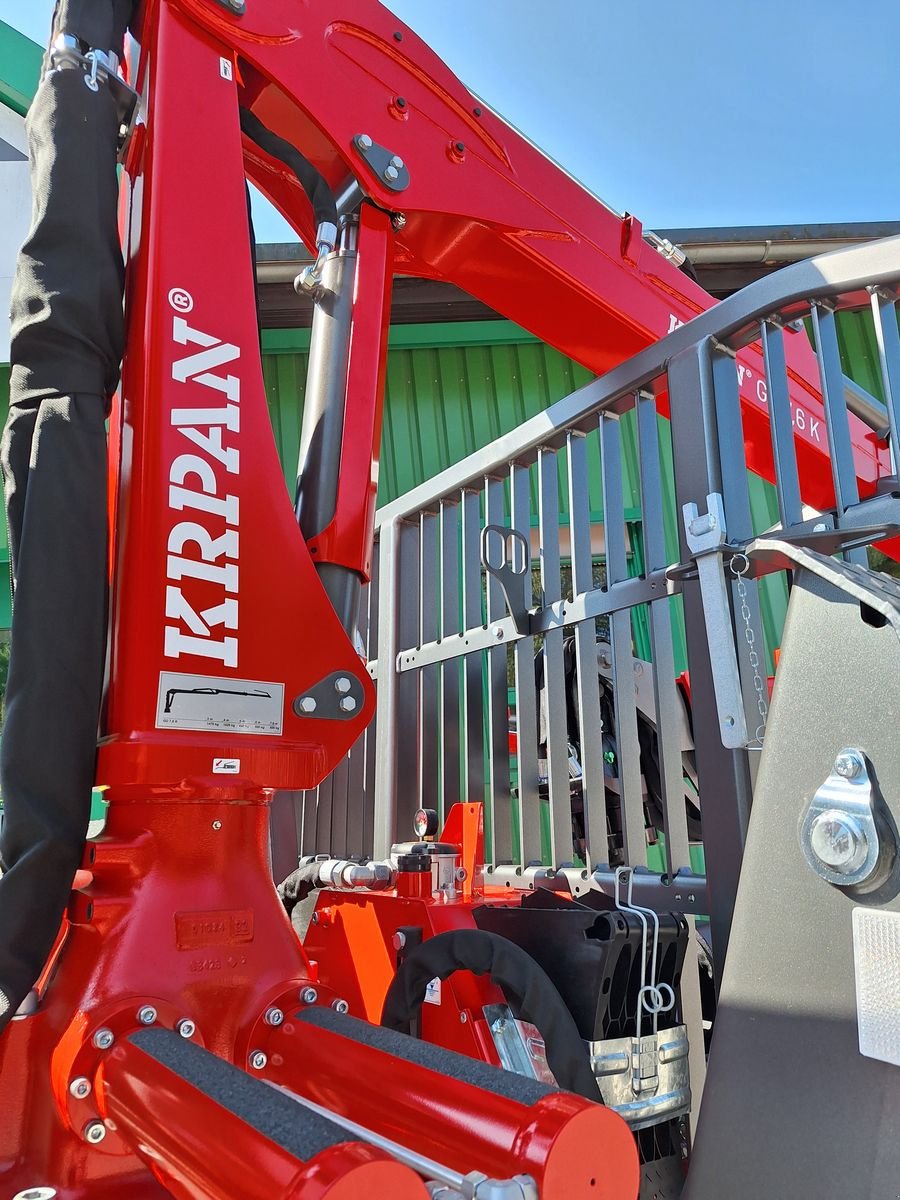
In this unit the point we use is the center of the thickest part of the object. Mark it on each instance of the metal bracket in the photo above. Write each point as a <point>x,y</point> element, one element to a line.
<point>519,1044</point>
<point>839,834</point>
<point>99,67</point>
<point>510,570</point>
<point>337,697</point>
<point>706,540</point>
<point>385,164</point>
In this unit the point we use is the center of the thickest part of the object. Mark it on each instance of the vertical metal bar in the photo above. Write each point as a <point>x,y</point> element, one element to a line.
<point>884,312</point>
<point>831,375</point>
<point>723,774</point>
<point>429,677</point>
<point>371,735</point>
<point>500,797</point>
<point>473,618</point>
<point>407,704</point>
<point>787,481</point>
<point>628,749</point>
<point>356,764</point>
<point>309,833</point>
<point>451,790</point>
<point>590,724</point>
<point>738,521</point>
<point>339,777</point>
<point>386,740</point>
<point>324,796</point>
<point>526,699</point>
<point>553,702</point>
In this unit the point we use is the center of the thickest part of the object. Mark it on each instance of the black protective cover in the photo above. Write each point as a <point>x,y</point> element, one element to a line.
<point>67,336</point>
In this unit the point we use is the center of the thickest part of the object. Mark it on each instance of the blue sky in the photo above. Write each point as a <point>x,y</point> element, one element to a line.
<point>709,112</point>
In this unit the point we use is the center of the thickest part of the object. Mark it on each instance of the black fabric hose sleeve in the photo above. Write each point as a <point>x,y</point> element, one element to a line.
<point>528,990</point>
<point>314,185</point>
<point>100,24</point>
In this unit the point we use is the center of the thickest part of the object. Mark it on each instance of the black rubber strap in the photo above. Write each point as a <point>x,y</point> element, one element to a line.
<point>320,195</point>
<point>528,990</point>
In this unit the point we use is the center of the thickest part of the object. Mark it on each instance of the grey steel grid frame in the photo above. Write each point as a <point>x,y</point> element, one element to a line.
<point>443,640</point>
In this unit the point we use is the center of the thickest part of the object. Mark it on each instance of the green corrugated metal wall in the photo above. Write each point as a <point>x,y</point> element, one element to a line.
<point>452,389</point>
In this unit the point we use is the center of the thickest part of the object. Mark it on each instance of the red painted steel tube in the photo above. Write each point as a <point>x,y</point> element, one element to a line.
<point>574,1150</point>
<point>201,1151</point>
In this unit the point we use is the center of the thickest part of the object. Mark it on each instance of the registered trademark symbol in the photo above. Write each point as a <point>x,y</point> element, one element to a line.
<point>181,300</point>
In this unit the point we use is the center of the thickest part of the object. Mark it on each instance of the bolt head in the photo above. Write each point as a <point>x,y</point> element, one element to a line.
<point>94,1132</point>
<point>838,841</point>
<point>342,685</point>
<point>103,1039</point>
<point>364,142</point>
<point>186,1028</point>
<point>340,1006</point>
<point>848,765</point>
<point>274,1016</point>
<point>499,1026</point>
<point>398,220</point>
<point>258,1059</point>
<point>398,941</point>
<point>309,995</point>
<point>391,173</point>
<point>217,825</point>
<point>307,704</point>
<point>397,162</point>
<point>348,704</point>
<point>80,1088</point>
<point>147,1014</point>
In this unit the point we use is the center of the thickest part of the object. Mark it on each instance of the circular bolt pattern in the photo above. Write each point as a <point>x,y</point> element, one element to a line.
<point>340,1006</point>
<point>94,1132</point>
<point>80,1088</point>
<point>307,704</point>
<point>348,704</point>
<point>274,1016</point>
<point>147,1014</point>
<point>364,142</point>
<point>103,1039</point>
<point>257,1060</point>
<point>186,1028</point>
<point>848,765</point>
<point>838,841</point>
<point>309,995</point>
<point>342,685</point>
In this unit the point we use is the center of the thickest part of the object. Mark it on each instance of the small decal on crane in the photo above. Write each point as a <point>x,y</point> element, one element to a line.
<point>226,766</point>
<point>226,70</point>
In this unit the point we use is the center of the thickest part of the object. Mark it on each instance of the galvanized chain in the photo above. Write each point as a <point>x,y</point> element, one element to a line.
<point>760,682</point>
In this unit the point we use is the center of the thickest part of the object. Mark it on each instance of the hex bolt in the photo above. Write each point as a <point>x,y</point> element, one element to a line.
<point>364,142</point>
<point>147,1014</point>
<point>103,1039</point>
<point>499,1026</point>
<point>340,1006</point>
<point>274,1016</point>
<point>397,162</point>
<point>94,1132</point>
<point>342,685</point>
<point>848,765</point>
<point>391,173</point>
<point>186,1028</point>
<point>838,841</point>
<point>307,704</point>
<point>398,220</point>
<point>399,940</point>
<point>348,704</point>
<point>80,1088</point>
<point>309,995</point>
<point>461,874</point>
<point>217,825</point>
<point>258,1059</point>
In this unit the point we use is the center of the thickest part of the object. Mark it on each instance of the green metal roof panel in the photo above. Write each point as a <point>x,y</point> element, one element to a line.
<point>20,68</point>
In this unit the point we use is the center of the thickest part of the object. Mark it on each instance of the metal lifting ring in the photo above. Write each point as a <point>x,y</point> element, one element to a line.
<point>734,558</point>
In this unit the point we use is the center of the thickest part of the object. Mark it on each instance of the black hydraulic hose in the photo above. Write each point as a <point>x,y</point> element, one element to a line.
<point>528,989</point>
<point>319,193</point>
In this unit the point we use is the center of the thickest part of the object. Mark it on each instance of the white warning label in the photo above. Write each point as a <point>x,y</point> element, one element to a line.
<point>433,991</point>
<point>216,705</point>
